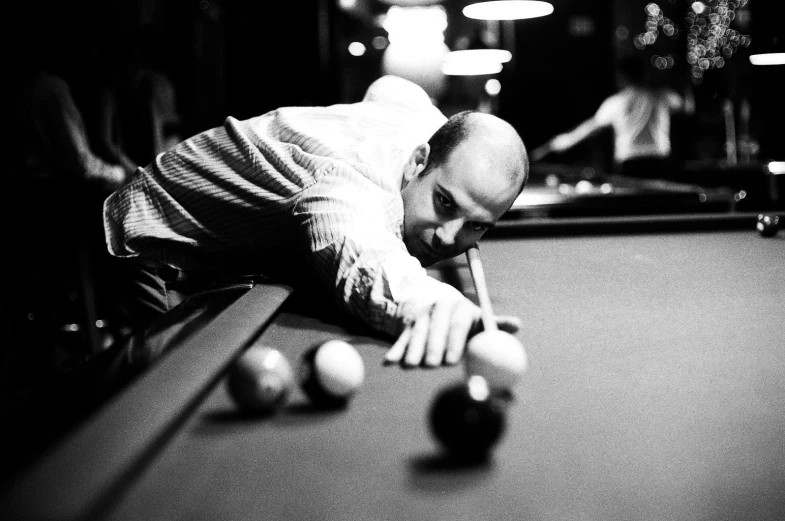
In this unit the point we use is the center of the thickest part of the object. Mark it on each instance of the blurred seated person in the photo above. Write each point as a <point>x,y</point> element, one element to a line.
<point>640,116</point>
<point>136,113</point>
<point>50,140</point>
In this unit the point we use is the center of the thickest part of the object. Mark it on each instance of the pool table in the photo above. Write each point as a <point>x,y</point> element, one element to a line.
<point>656,390</point>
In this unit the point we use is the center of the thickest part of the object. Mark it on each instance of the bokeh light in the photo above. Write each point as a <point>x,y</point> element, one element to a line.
<point>415,24</point>
<point>416,47</point>
<point>710,39</point>
<point>493,87</point>
<point>379,43</point>
<point>356,49</point>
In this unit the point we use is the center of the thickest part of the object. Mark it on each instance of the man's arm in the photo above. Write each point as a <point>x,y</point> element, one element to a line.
<point>358,257</point>
<point>567,140</point>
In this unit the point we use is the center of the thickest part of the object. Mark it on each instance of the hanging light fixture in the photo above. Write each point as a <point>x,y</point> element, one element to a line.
<point>475,62</point>
<point>769,48</point>
<point>771,58</point>
<point>507,9</point>
<point>477,55</point>
<point>485,59</point>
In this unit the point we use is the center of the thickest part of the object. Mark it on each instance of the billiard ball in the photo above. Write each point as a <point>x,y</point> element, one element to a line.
<point>768,225</point>
<point>497,356</point>
<point>260,380</point>
<point>331,373</point>
<point>467,420</point>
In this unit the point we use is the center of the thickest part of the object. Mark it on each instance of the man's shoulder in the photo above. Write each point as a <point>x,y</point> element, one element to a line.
<point>394,89</point>
<point>402,95</point>
<point>612,105</point>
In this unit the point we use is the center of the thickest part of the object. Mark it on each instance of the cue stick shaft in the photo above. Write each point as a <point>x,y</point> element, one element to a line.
<point>478,276</point>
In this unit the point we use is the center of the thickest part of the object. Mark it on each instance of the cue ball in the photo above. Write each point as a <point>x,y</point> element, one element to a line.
<point>260,380</point>
<point>768,225</point>
<point>498,357</point>
<point>467,420</point>
<point>331,372</point>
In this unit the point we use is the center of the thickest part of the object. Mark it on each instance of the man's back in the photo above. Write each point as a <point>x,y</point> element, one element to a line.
<point>229,193</point>
<point>641,121</point>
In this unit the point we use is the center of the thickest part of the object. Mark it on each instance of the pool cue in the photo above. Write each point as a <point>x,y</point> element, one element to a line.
<point>478,276</point>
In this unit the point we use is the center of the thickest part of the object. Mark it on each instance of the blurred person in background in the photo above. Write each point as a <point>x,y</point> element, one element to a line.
<point>135,114</point>
<point>640,115</point>
<point>49,139</point>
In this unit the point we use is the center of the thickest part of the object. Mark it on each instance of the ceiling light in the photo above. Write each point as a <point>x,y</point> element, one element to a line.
<point>507,10</point>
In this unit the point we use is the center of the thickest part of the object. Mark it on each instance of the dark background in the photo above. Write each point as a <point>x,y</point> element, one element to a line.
<point>243,58</point>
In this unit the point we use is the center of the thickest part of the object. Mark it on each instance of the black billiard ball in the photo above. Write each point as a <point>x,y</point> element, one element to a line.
<point>330,373</point>
<point>467,420</point>
<point>768,225</point>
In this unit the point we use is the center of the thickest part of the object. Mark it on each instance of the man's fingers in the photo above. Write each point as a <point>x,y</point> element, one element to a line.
<point>462,324</point>
<point>437,334</point>
<point>395,353</point>
<point>416,348</point>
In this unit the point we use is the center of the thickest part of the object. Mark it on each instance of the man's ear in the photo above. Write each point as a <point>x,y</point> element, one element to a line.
<point>417,162</point>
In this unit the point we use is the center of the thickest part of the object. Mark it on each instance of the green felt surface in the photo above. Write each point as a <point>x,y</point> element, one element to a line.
<point>656,391</point>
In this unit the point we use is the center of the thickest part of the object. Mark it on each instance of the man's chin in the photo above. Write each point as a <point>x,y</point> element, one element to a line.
<point>429,260</point>
<point>426,256</point>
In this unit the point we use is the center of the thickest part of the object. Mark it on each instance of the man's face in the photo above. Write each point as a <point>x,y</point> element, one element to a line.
<point>449,207</point>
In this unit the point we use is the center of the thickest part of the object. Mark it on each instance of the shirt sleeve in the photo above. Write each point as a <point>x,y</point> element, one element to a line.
<point>608,111</point>
<point>355,252</point>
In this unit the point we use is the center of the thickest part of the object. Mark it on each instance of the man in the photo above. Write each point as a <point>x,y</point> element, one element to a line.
<point>640,116</point>
<point>359,197</point>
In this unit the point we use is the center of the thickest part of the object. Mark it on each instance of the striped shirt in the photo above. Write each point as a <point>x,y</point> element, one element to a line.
<point>307,188</point>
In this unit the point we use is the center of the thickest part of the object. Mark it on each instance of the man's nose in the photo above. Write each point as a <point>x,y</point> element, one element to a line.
<point>447,233</point>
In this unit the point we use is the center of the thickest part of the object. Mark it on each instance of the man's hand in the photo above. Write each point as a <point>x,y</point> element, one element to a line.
<point>439,334</point>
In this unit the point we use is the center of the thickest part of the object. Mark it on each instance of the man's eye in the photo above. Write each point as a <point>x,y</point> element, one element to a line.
<point>477,227</point>
<point>443,201</point>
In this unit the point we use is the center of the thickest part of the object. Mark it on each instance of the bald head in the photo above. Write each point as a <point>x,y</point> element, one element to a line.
<point>490,136</point>
<point>459,184</point>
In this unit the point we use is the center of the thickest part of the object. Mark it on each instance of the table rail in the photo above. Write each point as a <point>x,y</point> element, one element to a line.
<point>81,474</point>
<point>511,226</point>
